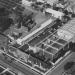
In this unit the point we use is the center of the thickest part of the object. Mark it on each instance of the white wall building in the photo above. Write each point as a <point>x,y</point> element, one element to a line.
<point>51,2</point>
<point>56,14</point>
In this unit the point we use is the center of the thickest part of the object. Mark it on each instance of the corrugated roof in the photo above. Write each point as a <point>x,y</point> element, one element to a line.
<point>70,26</point>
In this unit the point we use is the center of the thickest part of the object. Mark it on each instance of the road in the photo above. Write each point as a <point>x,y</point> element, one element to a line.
<point>16,66</point>
<point>59,69</point>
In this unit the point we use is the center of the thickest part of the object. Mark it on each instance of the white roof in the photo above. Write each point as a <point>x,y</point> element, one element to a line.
<point>55,13</point>
<point>65,34</point>
<point>25,2</point>
<point>68,30</point>
<point>51,2</point>
<point>19,41</point>
<point>41,1</point>
<point>70,26</point>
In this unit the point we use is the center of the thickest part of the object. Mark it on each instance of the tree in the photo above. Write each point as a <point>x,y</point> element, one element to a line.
<point>69,65</point>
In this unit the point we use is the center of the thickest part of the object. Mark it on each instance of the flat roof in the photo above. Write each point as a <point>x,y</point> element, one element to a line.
<point>56,14</point>
<point>70,26</point>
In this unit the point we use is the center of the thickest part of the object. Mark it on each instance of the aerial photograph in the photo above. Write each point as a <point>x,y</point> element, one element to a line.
<point>37,37</point>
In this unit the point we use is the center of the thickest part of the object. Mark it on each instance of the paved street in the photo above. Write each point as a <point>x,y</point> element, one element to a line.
<point>17,66</point>
<point>59,70</point>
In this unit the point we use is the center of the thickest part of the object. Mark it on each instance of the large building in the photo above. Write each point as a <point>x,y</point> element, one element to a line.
<point>40,36</point>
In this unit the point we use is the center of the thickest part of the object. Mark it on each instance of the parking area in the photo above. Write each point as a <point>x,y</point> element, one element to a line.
<point>5,71</point>
<point>1,69</point>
